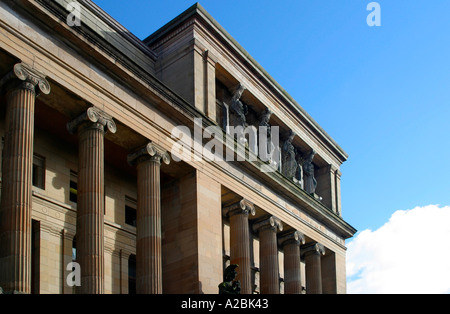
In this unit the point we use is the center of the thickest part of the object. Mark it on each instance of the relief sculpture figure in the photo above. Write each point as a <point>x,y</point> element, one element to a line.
<point>238,108</point>
<point>289,164</point>
<point>310,182</point>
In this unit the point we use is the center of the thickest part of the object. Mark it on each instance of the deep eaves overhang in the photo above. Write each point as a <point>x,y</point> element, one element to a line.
<point>221,34</point>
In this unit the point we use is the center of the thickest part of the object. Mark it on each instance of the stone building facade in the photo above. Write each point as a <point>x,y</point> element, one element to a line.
<point>101,164</point>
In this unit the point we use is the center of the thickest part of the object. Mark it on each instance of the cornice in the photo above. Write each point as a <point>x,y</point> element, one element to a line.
<point>197,14</point>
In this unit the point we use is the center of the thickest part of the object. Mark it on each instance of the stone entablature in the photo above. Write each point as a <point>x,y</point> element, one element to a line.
<point>195,28</point>
<point>180,45</point>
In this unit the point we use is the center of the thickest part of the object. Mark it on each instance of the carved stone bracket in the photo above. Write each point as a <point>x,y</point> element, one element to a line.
<point>269,223</point>
<point>295,237</point>
<point>241,207</point>
<point>29,78</point>
<point>149,151</point>
<point>96,117</point>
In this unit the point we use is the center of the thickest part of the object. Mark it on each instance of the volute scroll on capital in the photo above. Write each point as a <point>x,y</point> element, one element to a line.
<point>31,79</point>
<point>241,207</point>
<point>95,117</point>
<point>151,151</point>
<point>313,248</point>
<point>272,222</point>
<point>295,237</point>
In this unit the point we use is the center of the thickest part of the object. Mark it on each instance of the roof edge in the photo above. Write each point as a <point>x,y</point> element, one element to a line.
<point>198,9</point>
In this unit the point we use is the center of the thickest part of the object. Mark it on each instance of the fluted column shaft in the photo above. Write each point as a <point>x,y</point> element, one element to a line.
<point>148,220</point>
<point>268,255</point>
<point>91,198</point>
<point>16,204</point>
<point>90,209</point>
<point>148,232</point>
<point>292,274</point>
<point>313,269</point>
<point>240,242</point>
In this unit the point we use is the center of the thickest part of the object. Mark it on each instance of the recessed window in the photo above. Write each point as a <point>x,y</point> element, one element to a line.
<point>130,211</point>
<point>38,179</point>
<point>132,274</point>
<point>73,194</point>
<point>35,256</point>
<point>74,248</point>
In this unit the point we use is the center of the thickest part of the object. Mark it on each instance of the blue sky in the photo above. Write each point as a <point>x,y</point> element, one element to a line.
<point>383,93</point>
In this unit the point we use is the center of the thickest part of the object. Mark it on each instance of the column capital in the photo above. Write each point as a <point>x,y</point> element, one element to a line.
<point>29,78</point>
<point>293,237</point>
<point>242,207</point>
<point>96,117</point>
<point>150,151</point>
<point>313,248</point>
<point>272,222</point>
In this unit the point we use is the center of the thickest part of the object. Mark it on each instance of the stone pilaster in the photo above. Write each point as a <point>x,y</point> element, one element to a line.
<point>268,252</point>
<point>22,85</point>
<point>240,242</point>
<point>312,254</point>
<point>291,248</point>
<point>338,175</point>
<point>326,186</point>
<point>91,127</point>
<point>209,78</point>
<point>148,222</point>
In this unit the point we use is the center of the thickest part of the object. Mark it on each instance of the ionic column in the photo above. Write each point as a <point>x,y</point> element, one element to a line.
<point>268,254</point>
<point>148,221</point>
<point>291,248</point>
<point>313,270</point>
<point>91,127</point>
<point>240,242</point>
<point>22,86</point>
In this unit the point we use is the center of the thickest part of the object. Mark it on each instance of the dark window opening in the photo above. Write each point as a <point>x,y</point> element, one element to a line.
<point>35,256</point>
<point>73,187</point>
<point>132,274</point>
<point>38,175</point>
<point>130,212</point>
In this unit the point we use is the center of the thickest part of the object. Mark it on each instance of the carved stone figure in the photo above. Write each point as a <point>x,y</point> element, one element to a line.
<point>229,284</point>
<point>289,164</point>
<point>299,172</point>
<point>265,147</point>
<point>264,119</point>
<point>310,182</point>
<point>238,108</point>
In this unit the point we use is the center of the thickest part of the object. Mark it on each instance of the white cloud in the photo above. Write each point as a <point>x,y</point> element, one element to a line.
<point>410,254</point>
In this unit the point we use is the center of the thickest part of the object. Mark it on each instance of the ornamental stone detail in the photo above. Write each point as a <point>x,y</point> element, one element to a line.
<point>30,78</point>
